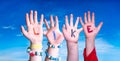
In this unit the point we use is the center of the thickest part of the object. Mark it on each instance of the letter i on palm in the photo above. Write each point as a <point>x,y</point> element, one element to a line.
<point>53,33</point>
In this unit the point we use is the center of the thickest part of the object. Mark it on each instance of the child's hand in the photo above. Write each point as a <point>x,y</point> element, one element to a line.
<point>35,30</point>
<point>90,31</point>
<point>89,27</point>
<point>70,31</point>
<point>53,33</point>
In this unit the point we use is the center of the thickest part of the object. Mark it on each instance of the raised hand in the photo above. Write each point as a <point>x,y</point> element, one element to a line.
<point>90,31</point>
<point>35,31</point>
<point>89,27</point>
<point>70,31</point>
<point>53,33</point>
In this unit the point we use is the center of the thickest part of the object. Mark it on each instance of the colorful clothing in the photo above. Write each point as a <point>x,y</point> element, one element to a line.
<point>91,57</point>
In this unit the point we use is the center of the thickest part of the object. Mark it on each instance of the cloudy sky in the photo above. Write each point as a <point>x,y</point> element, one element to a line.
<point>12,15</point>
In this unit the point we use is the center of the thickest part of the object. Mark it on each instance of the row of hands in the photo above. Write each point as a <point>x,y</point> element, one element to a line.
<point>70,31</point>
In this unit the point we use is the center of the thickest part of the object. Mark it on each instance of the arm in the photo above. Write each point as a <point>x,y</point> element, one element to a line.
<point>35,35</point>
<point>71,34</point>
<point>55,38</point>
<point>90,31</point>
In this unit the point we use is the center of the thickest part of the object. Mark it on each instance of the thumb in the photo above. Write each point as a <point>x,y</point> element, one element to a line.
<point>44,32</point>
<point>23,31</point>
<point>79,30</point>
<point>99,26</point>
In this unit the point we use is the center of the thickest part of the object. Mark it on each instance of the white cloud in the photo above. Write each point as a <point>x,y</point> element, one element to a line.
<point>102,46</point>
<point>9,27</point>
<point>19,35</point>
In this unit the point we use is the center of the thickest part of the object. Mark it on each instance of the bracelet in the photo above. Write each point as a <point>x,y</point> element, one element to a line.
<point>34,53</point>
<point>51,57</point>
<point>36,46</point>
<point>53,46</point>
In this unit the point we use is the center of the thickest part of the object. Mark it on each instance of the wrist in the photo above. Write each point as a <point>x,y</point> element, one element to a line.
<point>72,53</point>
<point>34,52</point>
<point>90,42</point>
<point>53,51</point>
<point>35,42</point>
<point>72,46</point>
<point>36,46</point>
<point>90,38</point>
<point>52,56</point>
<point>53,47</point>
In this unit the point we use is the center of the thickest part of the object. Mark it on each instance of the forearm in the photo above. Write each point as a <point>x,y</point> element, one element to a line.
<point>90,51</point>
<point>89,45</point>
<point>36,58</point>
<point>53,52</point>
<point>72,49</point>
<point>36,52</point>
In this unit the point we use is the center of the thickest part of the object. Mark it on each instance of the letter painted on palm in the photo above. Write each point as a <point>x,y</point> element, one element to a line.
<point>88,29</point>
<point>35,33</point>
<point>54,35</point>
<point>73,33</point>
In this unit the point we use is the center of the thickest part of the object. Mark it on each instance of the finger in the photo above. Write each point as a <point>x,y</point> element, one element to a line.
<point>44,32</point>
<point>81,21</point>
<point>85,18</point>
<point>41,19</point>
<point>79,30</point>
<point>31,17</point>
<point>46,23</point>
<point>27,19</point>
<point>89,16</point>
<point>99,26</point>
<point>63,29</point>
<point>76,24</point>
<point>60,39</point>
<point>66,21</point>
<point>93,17</point>
<point>23,31</point>
<point>51,21</point>
<point>71,19</point>
<point>57,24</point>
<point>64,26</point>
<point>35,17</point>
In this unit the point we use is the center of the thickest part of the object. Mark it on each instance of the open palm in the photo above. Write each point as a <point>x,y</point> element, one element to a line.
<point>71,33</point>
<point>35,31</point>
<point>53,33</point>
<point>89,27</point>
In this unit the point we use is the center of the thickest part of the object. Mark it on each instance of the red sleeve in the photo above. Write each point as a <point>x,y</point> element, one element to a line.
<point>91,57</point>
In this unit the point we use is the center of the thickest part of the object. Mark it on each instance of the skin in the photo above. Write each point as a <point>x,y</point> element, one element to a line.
<point>34,32</point>
<point>72,42</point>
<point>50,36</point>
<point>90,33</point>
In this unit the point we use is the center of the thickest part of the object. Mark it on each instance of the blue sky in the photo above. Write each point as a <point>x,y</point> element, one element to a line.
<point>12,15</point>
